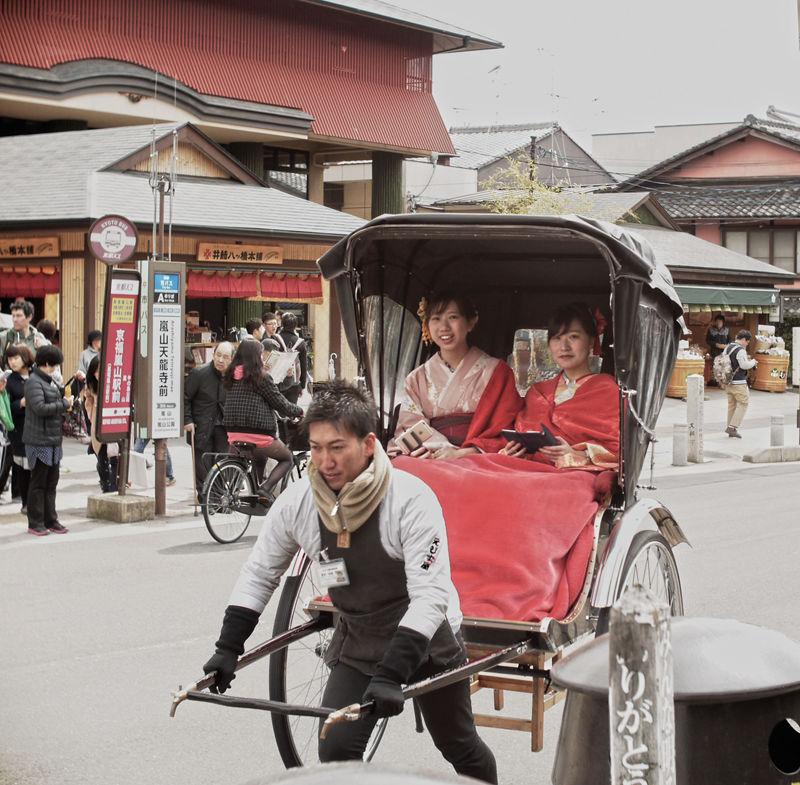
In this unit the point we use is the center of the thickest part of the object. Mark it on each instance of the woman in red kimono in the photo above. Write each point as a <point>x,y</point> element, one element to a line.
<point>579,407</point>
<point>521,531</point>
<point>465,395</point>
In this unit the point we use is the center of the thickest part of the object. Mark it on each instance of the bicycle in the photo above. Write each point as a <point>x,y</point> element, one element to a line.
<point>229,495</point>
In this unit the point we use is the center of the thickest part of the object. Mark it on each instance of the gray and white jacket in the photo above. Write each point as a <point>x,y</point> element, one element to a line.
<point>412,530</point>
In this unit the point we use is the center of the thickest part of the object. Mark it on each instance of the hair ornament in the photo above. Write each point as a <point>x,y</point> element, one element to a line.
<point>422,312</point>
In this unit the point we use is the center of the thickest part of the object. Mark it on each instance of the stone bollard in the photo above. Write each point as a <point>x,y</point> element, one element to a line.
<point>776,430</point>
<point>680,444</point>
<point>695,390</point>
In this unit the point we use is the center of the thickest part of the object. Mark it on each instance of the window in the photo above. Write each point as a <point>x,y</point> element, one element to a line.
<point>775,246</point>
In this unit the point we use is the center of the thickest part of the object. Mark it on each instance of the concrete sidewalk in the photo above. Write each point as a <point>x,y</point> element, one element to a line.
<point>722,453</point>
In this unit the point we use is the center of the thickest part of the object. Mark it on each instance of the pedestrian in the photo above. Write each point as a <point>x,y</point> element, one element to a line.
<point>718,337</point>
<point>6,428</point>
<point>293,385</point>
<point>271,324</point>
<point>94,340</point>
<point>140,444</point>
<point>737,391</point>
<point>254,328</point>
<point>107,454</point>
<point>45,403</point>
<point>19,359</point>
<point>381,536</point>
<point>203,407</point>
<point>249,417</point>
<point>22,330</point>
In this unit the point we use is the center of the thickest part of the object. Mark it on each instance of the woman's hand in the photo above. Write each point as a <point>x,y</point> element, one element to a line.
<point>452,452</point>
<point>556,451</point>
<point>514,449</point>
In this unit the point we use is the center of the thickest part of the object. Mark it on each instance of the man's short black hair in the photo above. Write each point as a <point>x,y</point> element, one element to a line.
<point>268,316</point>
<point>744,334</point>
<point>93,336</point>
<point>348,407</point>
<point>251,325</point>
<point>49,355</point>
<point>22,305</point>
<point>289,322</point>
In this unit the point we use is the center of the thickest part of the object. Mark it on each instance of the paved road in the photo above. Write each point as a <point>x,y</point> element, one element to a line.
<point>98,626</point>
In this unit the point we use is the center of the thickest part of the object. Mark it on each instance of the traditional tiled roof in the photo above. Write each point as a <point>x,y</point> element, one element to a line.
<point>765,201</point>
<point>59,178</point>
<point>478,146</point>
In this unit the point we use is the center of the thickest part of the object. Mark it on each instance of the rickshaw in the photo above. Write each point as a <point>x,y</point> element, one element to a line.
<point>517,269</point>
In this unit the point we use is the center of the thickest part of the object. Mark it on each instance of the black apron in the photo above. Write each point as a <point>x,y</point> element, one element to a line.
<point>373,604</point>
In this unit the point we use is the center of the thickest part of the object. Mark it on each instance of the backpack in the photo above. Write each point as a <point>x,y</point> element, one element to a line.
<point>723,368</point>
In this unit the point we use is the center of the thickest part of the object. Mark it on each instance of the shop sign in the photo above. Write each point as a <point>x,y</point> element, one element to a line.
<point>257,254</point>
<point>167,357</point>
<point>112,239</point>
<point>118,355</point>
<point>29,248</point>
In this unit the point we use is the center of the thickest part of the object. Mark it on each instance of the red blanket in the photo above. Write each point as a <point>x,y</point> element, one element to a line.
<point>520,533</point>
<point>499,404</point>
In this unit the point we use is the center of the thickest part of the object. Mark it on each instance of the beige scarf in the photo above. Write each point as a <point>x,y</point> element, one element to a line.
<point>357,500</point>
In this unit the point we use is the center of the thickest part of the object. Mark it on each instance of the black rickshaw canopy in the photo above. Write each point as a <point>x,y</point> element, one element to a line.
<point>516,269</point>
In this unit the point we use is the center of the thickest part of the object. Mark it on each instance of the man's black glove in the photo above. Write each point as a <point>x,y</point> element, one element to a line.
<point>403,657</point>
<point>237,626</point>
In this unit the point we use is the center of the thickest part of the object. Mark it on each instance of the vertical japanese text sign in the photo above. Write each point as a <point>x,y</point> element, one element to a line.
<point>117,355</point>
<point>166,356</point>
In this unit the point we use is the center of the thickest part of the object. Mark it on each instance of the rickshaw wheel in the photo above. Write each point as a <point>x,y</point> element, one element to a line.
<point>298,674</point>
<point>225,484</point>
<point>650,563</point>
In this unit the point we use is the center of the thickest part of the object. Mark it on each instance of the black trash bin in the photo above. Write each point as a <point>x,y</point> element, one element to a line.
<point>737,707</point>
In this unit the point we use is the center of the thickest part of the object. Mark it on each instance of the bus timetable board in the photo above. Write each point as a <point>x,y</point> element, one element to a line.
<point>117,355</point>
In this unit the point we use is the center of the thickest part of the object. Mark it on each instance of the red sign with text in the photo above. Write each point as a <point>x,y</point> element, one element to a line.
<point>118,355</point>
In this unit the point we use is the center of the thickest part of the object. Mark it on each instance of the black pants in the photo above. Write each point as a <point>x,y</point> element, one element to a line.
<point>42,495</point>
<point>20,479</point>
<point>215,440</point>
<point>107,469</point>
<point>447,714</point>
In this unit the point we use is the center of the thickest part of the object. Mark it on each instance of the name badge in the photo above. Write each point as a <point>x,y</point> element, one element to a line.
<point>333,573</point>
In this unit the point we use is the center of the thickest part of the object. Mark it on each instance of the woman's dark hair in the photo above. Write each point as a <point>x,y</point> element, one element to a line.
<point>49,355</point>
<point>564,315</point>
<point>47,329</point>
<point>93,336</point>
<point>248,356</point>
<point>91,379</point>
<point>288,322</point>
<point>349,408</point>
<point>20,350</point>
<point>438,301</point>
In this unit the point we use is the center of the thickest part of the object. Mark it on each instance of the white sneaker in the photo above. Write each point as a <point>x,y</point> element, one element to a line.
<point>5,498</point>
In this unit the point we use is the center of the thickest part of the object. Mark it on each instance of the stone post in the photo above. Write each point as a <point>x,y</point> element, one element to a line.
<point>640,695</point>
<point>776,430</point>
<point>680,444</point>
<point>695,390</point>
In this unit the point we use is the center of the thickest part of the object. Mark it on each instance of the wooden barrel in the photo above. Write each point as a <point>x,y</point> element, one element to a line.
<point>683,367</point>
<point>771,373</point>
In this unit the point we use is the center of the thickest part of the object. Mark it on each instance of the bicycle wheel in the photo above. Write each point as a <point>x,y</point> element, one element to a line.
<point>650,563</point>
<point>225,484</point>
<point>298,674</point>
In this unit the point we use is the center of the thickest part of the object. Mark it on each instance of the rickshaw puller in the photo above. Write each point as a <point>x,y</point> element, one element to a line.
<point>379,536</point>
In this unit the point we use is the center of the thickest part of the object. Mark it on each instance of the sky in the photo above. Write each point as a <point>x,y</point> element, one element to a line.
<point>602,66</point>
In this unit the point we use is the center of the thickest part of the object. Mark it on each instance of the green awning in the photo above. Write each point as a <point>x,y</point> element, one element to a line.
<point>727,298</point>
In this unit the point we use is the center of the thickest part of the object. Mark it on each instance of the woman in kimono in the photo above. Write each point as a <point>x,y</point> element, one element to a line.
<point>465,395</point>
<point>579,407</point>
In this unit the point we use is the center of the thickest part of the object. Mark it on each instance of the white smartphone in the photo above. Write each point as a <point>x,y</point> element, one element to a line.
<point>414,437</point>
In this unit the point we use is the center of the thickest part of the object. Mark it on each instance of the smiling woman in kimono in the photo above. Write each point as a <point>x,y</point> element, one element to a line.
<point>465,395</point>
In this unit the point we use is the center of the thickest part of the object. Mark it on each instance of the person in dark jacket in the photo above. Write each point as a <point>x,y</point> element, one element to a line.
<point>249,416</point>
<point>294,385</point>
<point>45,403</point>
<point>19,359</point>
<point>203,405</point>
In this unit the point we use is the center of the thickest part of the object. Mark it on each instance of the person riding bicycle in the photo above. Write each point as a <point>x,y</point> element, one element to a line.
<point>249,415</point>
<point>379,535</point>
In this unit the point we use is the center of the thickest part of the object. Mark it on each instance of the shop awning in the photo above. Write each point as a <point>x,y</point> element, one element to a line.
<point>28,283</point>
<point>727,298</point>
<point>278,286</point>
